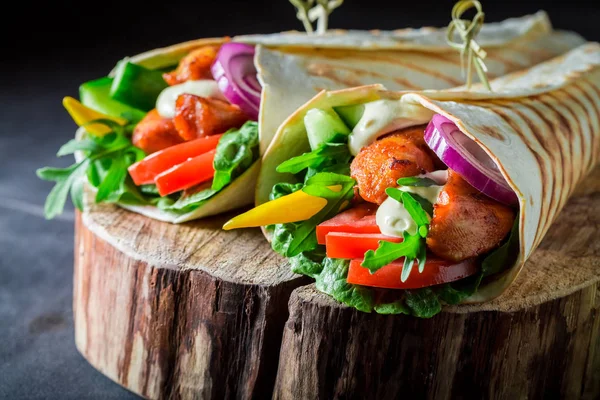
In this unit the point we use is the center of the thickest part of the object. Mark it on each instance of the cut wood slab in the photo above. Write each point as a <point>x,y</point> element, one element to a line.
<point>191,311</point>
<point>186,311</point>
<point>540,339</point>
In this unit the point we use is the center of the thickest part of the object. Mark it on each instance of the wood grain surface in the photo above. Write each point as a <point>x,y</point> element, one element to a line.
<point>154,313</point>
<point>539,339</point>
<point>192,311</point>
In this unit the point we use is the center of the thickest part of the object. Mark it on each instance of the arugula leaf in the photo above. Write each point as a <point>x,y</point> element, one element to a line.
<point>325,179</point>
<point>330,153</point>
<point>414,204</point>
<point>105,166</point>
<point>416,181</point>
<point>236,152</point>
<point>425,204</point>
<point>283,189</point>
<point>64,178</point>
<point>305,238</point>
<point>292,239</point>
<point>112,180</point>
<point>332,281</point>
<point>407,267</point>
<point>74,145</point>
<point>388,252</point>
<point>415,209</point>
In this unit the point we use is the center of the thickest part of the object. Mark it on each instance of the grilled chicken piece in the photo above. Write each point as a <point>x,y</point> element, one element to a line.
<point>196,116</point>
<point>378,166</point>
<point>154,133</point>
<point>194,66</point>
<point>466,223</point>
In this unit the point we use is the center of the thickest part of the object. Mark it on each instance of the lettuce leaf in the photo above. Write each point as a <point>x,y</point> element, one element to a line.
<point>332,281</point>
<point>236,152</point>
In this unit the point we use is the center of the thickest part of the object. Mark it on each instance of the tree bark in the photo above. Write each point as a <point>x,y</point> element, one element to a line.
<point>179,311</point>
<point>539,339</point>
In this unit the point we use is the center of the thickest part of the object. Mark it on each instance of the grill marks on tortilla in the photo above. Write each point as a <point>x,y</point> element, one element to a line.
<point>579,110</point>
<point>507,114</point>
<point>589,111</point>
<point>555,152</point>
<point>550,178</point>
<point>593,96</point>
<point>569,118</point>
<point>417,66</point>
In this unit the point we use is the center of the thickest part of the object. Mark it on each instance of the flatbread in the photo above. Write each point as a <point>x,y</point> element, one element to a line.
<point>541,126</point>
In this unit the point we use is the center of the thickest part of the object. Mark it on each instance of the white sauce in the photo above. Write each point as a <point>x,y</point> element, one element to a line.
<point>165,103</point>
<point>385,116</point>
<point>393,219</point>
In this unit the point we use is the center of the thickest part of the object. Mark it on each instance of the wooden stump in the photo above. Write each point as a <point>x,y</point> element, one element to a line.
<point>185,311</point>
<point>540,339</point>
<point>192,311</point>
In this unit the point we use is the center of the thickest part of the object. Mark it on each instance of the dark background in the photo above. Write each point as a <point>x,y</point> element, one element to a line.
<point>46,51</point>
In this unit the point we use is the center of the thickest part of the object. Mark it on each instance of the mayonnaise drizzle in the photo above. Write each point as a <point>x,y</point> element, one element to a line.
<point>165,103</point>
<point>393,219</point>
<point>385,116</point>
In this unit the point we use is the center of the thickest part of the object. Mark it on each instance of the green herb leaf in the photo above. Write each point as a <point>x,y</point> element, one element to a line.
<point>416,181</point>
<point>456,292</point>
<point>425,204</point>
<point>395,194</point>
<point>332,281</point>
<point>188,203</point>
<point>105,166</point>
<point>505,255</point>
<point>236,152</point>
<point>74,145</point>
<point>395,307</point>
<point>388,252</point>
<point>422,256</point>
<point>415,209</point>
<point>77,193</point>
<point>325,179</point>
<point>406,268</point>
<point>113,179</point>
<point>55,174</point>
<point>149,189</point>
<point>305,264</point>
<point>423,303</point>
<point>293,239</point>
<point>331,153</point>
<point>283,189</point>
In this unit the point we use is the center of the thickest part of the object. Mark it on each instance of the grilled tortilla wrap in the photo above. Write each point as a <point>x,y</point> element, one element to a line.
<point>293,67</point>
<point>541,127</point>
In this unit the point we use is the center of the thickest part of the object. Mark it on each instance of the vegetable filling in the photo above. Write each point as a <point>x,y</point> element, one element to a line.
<point>393,228</point>
<point>167,139</point>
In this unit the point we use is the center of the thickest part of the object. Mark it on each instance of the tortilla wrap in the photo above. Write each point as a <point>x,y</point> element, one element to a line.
<point>293,67</point>
<point>541,127</point>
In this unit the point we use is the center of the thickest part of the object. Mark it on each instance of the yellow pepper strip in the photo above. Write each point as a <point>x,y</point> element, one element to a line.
<point>82,115</point>
<point>294,207</point>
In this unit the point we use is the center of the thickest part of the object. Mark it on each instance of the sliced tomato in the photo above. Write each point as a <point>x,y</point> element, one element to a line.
<point>143,172</point>
<point>436,271</point>
<point>359,219</point>
<point>354,245</point>
<point>187,174</point>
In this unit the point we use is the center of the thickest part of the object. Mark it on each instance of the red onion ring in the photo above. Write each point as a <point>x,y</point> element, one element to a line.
<point>235,73</point>
<point>467,158</point>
